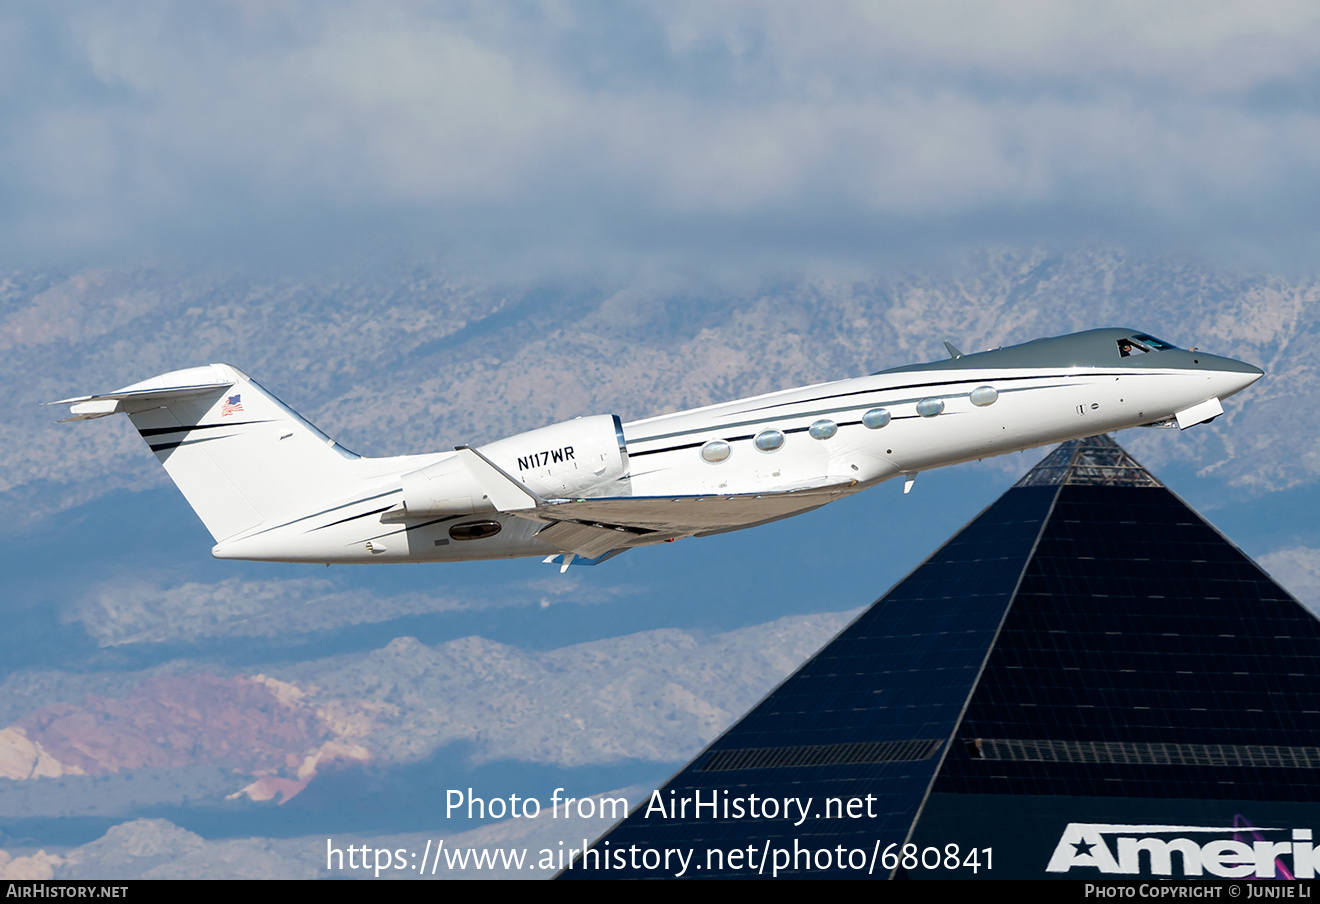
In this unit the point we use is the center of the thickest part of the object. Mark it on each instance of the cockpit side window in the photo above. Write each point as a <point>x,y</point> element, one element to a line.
<point>1128,345</point>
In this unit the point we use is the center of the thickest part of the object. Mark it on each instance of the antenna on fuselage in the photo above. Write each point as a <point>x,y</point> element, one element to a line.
<point>953,351</point>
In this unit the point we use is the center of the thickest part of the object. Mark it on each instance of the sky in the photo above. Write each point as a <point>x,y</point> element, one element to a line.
<point>654,140</point>
<point>429,223</point>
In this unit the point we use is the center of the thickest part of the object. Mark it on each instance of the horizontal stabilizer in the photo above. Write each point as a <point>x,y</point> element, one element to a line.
<point>85,408</point>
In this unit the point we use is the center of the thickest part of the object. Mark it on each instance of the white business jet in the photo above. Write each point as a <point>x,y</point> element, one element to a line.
<point>270,486</point>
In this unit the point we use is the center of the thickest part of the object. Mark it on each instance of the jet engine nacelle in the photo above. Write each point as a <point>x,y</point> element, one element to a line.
<point>579,458</point>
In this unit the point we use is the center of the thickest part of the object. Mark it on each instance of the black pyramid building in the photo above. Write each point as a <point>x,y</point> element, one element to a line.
<point>1087,681</point>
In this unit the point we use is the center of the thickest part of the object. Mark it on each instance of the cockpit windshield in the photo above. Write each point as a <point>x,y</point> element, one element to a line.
<point>1158,344</point>
<point>1141,343</point>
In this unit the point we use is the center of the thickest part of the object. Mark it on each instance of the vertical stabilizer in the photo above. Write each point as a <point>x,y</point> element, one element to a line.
<point>240,456</point>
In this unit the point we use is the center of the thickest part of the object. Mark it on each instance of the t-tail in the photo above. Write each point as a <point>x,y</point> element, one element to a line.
<point>239,455</point>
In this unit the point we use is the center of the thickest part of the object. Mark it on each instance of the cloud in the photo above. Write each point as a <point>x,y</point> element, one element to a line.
<point>1298,570</point>
<point>591,134</point>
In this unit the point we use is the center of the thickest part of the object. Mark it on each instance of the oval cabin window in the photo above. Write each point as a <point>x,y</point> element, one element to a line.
<point>823,429</point>
<point>716,450</point>
<point>930,407</point>
<point>876,418</point>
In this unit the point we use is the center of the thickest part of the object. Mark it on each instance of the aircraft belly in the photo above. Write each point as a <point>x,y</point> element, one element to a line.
<point>369,540</point>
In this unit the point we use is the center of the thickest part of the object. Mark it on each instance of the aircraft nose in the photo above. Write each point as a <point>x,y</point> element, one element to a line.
<point>1237,375</point>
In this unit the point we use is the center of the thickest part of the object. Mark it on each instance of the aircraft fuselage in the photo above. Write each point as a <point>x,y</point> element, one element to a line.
<point>595,486</point>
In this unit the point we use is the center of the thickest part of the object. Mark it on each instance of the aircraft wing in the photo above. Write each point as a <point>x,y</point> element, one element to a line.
<point>593,526</point>
<point>679,516</point>
<point>593,530</point>
<point>596,528</point>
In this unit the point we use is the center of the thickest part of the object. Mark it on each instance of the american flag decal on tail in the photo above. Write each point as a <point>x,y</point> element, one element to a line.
<point>232,405</point>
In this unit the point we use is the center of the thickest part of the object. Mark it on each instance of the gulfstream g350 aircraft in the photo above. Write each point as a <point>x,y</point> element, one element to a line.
<point>270,486</point>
